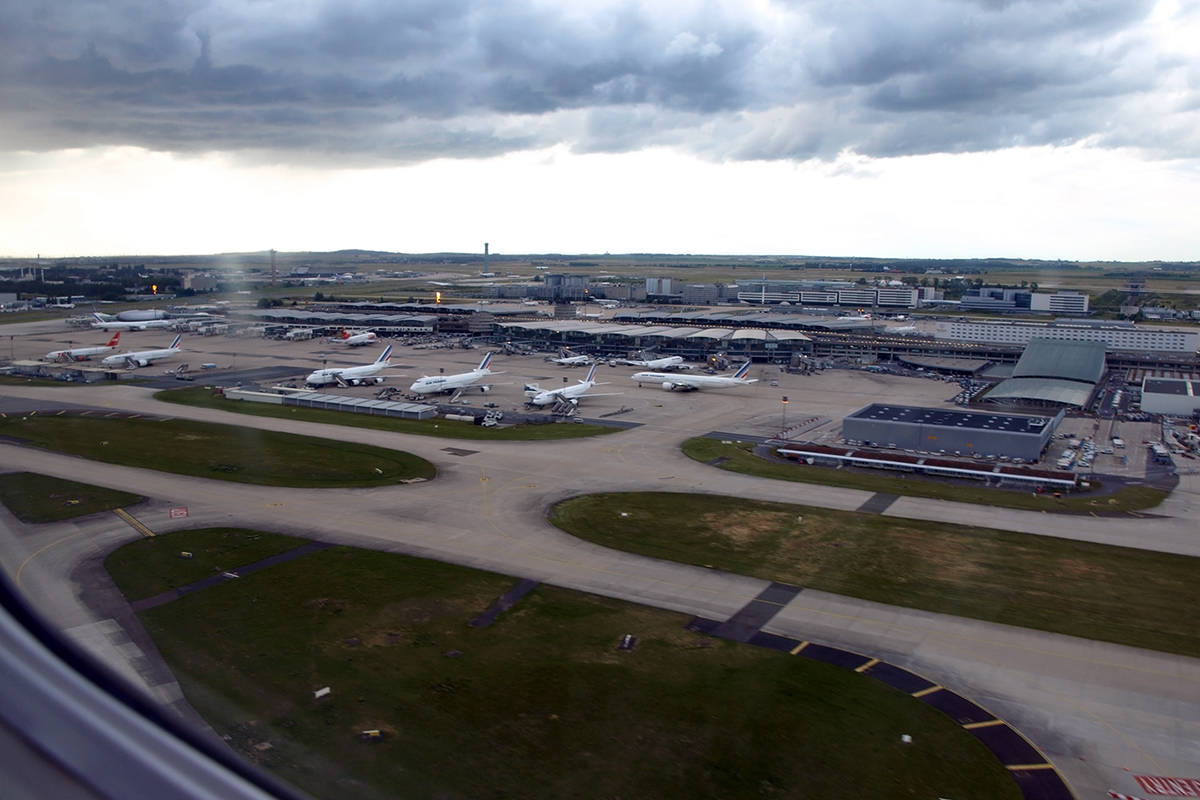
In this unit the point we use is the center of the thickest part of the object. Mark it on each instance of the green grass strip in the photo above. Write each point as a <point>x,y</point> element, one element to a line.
<point>1112,594</point>
<point>224,452</point>
<point>41,498</point>
<point>539,705</point>
<point>207,397</point>
<point>739,457</point>
<point>152,566</point>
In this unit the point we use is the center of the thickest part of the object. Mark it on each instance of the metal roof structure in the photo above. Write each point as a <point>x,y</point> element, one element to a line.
<point>1011,423</point>
<point>1042,390</point>
<point>1065,359</point>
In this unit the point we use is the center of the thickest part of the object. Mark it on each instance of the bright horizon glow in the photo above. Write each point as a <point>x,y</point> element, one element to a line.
<point>1076,203</point>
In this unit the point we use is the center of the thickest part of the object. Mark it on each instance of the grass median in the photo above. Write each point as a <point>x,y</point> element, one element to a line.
<point>208,397</point>
<point>541,704</point>
<point>42,498</point>
<point>740,457</point>
<point>1112,594</point>
<point>152,566</point>
<point>223,452</point>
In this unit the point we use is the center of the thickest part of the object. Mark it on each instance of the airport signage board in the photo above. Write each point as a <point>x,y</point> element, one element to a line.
<point>179,513</point>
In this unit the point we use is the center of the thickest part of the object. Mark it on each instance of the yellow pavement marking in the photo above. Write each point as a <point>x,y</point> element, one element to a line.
<point>530,486</point>
<point>930,690</point>
<point>20,569</point>
<point>1022,767</point>
<point>867,665</point>
<point>796,650</point>
<point>133,523</point>
<point>991,723</point>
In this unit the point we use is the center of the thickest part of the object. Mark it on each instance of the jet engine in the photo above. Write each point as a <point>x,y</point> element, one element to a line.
<point>485,389</point>
<point>668,386</point>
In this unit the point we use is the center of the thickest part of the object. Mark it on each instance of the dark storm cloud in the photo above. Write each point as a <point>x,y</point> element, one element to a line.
<point>460,78</point>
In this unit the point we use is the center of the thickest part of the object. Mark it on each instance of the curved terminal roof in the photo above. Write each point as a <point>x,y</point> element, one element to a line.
<point>1041,390</point>
<point>1064,359</point>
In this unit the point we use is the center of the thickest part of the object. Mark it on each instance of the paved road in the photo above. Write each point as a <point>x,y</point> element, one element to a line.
<point>1114,706</point>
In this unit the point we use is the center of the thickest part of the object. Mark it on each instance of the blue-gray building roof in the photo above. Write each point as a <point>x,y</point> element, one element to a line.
<point>1062,359</point>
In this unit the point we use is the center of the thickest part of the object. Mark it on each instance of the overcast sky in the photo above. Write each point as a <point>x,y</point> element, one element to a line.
<point>934,128</point>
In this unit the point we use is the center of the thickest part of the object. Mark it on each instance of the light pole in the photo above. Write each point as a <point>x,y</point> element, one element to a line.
<point>783,429</point>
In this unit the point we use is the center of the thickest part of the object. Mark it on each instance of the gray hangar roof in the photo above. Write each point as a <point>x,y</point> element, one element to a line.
<point>1044,390</point>
<point>1057,358</point>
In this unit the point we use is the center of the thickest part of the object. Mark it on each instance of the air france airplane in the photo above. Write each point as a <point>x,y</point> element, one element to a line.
<point>690,383</point>
<point>352,376</point>
<point>143,358</point>
<point>666,362</point>
<point>569,394</point>
<point>437,384</point>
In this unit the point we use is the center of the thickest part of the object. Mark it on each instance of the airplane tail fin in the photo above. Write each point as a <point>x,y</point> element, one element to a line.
<point>99,318</point>
<point>385,356</point>
<point>178,339</point>
<point>484,363</point>
<point>743,372</point>
<point>345,335</point>
<point>115,341</point>
<point>591,374</point>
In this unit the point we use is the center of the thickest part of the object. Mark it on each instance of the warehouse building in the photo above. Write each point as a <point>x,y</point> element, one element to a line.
<point>1053,374</point>
<point>936,430</point>
<point>1170,396</point>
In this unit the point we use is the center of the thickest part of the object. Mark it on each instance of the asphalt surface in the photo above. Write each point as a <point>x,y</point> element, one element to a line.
<point>1094,709</point>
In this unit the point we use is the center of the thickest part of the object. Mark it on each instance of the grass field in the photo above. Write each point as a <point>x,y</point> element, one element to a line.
<point>741,458</point>
<point>152,566</point>
<point>1112,594</point>
<point>224,452</point>
<point>41,498</point>
<point>539,705</point>
<point>207,397</point>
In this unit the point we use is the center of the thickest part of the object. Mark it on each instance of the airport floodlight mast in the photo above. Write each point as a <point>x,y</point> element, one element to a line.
<point>783,430</point>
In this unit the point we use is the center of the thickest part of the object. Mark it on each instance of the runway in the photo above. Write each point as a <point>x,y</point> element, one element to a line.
<point>1093,708</point>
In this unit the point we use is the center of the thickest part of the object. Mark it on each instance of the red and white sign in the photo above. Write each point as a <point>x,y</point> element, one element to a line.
<point>179,513</point>
<point>1168,787</point>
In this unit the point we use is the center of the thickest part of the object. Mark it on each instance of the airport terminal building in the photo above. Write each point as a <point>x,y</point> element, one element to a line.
<point>1053,374</point>
<point>943,431</point>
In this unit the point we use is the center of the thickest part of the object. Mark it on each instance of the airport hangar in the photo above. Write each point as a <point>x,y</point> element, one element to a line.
<point>946,431</point>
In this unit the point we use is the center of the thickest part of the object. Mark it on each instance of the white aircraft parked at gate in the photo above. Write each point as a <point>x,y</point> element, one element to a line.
<point>690,383</point>
<point>437,384</point>
<point>82,353</point>
<point>356,339</point>
<point>353,376</point>
<point>572,361</point>
<point>140,325</point>
<point>666,362</point>
<point>143,358</point>
<point>568,394</point>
